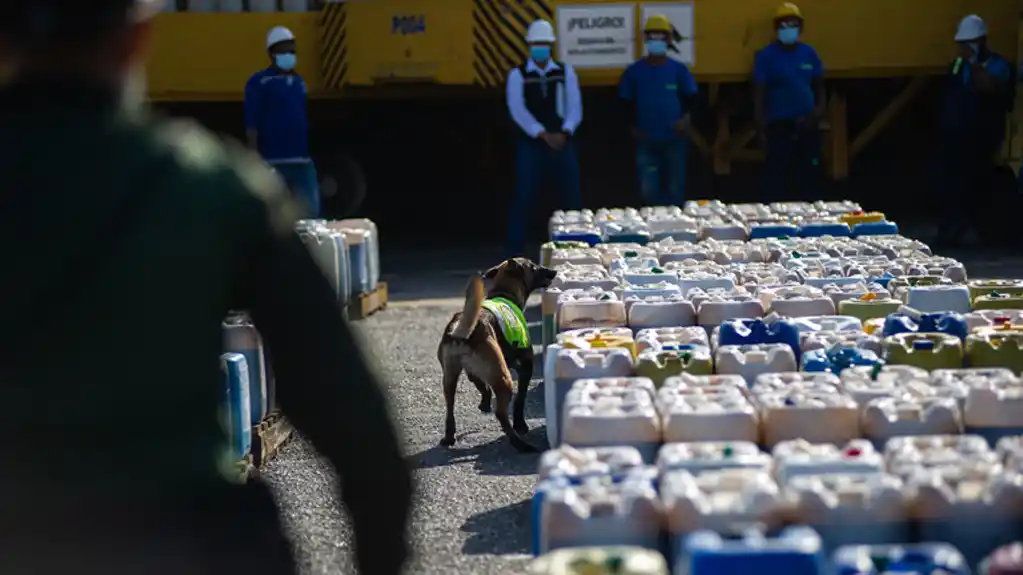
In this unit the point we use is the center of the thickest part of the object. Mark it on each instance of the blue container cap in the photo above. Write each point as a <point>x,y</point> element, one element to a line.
<point>923,344</point>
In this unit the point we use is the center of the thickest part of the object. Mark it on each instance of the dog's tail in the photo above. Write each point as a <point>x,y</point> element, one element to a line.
<point>471,311</point>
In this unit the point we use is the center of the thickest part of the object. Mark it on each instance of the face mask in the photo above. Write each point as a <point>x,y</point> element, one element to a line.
<point>285,61</point>
<point>539,53</point>
<point>788,35</point>
<point>656,47</point>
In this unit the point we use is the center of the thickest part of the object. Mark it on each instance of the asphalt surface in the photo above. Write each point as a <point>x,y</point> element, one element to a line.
<point>472,513</point>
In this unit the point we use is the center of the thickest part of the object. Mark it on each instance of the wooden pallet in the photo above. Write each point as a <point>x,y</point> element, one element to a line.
<point>366,304</point>
<point>246,470</point>
<point>268,437</point>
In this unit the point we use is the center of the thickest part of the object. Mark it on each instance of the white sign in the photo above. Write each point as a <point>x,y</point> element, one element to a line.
<point>597,35</point>
<point>680,14</point>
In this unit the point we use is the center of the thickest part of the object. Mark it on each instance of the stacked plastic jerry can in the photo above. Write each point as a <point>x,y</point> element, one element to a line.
<point>348,252</point>
<point>791,387</point>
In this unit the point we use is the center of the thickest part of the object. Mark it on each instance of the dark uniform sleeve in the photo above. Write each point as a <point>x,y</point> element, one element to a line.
<point>324,384</point>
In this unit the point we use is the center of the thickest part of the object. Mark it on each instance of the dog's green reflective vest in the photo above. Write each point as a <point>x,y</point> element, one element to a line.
<point>513,323</point>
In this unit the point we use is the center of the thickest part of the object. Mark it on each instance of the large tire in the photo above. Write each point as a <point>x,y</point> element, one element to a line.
<point>342,186</point>
<point>998,212</point>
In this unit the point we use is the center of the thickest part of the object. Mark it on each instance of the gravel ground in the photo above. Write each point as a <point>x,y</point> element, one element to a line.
<point>472,514</point>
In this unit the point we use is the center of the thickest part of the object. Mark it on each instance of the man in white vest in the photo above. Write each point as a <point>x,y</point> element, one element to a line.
<point>545,103</point>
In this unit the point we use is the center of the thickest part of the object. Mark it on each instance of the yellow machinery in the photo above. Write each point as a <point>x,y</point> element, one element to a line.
<point>407,48</point>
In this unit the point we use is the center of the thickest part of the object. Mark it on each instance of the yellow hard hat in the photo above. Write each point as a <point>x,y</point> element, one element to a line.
<point>658,23</point>
<point>788,10</point>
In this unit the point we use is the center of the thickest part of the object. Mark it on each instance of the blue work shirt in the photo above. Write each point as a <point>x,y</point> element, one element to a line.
<point>275,107</point>
<point>788,75</point>
<point>657,91</point>
<point>965,106</point>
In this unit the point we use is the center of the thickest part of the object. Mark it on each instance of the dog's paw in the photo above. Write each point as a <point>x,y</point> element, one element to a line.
<point>447,441</point>
<point>485,406</point>
<point>521,427</point>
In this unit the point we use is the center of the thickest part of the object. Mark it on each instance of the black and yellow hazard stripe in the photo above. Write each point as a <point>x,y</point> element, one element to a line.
<point>499,36</point>
<point>333,47</point>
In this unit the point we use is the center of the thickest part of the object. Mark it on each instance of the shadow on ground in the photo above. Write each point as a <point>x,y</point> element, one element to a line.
<point>499,531</point>
<point>496,457</point>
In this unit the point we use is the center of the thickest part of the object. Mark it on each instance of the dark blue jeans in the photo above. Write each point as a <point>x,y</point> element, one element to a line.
<point>303,181</point>
<point>533,160</point>
<point>662,171</point>
<point>792,164</point>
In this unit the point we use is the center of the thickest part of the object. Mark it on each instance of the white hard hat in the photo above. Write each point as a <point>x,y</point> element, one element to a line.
<point>540,31</point>
<point>277,35</point>
<point>971,28</point>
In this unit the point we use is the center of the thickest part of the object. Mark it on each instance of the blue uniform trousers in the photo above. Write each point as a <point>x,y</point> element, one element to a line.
<point>792,162</point>
<point>303,181</point>
<point>662,171</point>
<point>534,159</point>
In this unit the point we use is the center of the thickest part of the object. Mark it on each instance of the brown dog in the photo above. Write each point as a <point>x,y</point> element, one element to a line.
<point>485,338</point>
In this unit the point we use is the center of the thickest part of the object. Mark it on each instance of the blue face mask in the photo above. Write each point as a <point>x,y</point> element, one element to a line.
<point>788,35</point>
<point>656,47</point>
<point>539,53</point>
<point>285,61</point>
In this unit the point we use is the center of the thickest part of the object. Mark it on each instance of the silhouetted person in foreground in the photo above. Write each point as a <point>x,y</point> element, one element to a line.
<point>125,241</point>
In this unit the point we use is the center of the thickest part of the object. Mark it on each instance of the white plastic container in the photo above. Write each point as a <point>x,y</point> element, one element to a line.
<point>817,323</point>
<point>632,291</point>
<point>718,415</point>
<point>719,308</point>
<point>905,456</point>
<point>659,337</point>
<point>562,367</point>
<point>864,382</point>
<point>995,409</point>
<point>601,513</point>
<point>575,560</point>
<point>360,248</point>
<point>575,257</point>
<point>797,301</point>
<point>716,500</point>
<point>593,333</point>
<point>682,251</point>
<point>575,464</point>
<point>827,339</point>
<point>939,298</point>
<point>605,413</point>
<point>799,457</point>
<point>817,417</point>
<point>853,508</point>
<point>679,227</point>
<point>657,311</point>
<point>704,280</point>
<point>842,292</point>
<point>796,381</point>
<point>723,230</point>
<point>749,361</point>
<point>993,318</point>
<point>976,510</point>
<point>887,417</point>
<point>578,310</point>
<point>690,382</point>
<point>1009,450</point>
<point>696,457</point>
<point>241,337</point>
<point>975,377</point>
<point>325,253</point>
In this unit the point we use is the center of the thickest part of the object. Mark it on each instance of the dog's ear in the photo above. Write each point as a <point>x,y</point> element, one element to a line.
<point>492,272</point>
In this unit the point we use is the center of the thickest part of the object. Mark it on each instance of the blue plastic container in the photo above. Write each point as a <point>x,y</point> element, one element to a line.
<point>949,323</point>
<point>875,229</point>
<point>592,238</point>
<point>238,418</point>
<point>882,279</point>
<point>773,231</point>
<point>640,237</point>
<point>837,358</point>
<point>917,558</point>
<point>756,331</point>
<point>816,230</point>
<point>795,551</point>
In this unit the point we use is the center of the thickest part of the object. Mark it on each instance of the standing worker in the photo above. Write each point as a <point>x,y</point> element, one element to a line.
<point>789,101</point>
<point>978,95</point>
<point>546,105</point>
<point>115,454</point>
<point>659,93</point>
<point>276,123</point>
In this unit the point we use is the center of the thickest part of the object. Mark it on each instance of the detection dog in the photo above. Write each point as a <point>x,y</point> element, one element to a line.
<point>487,337</point>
